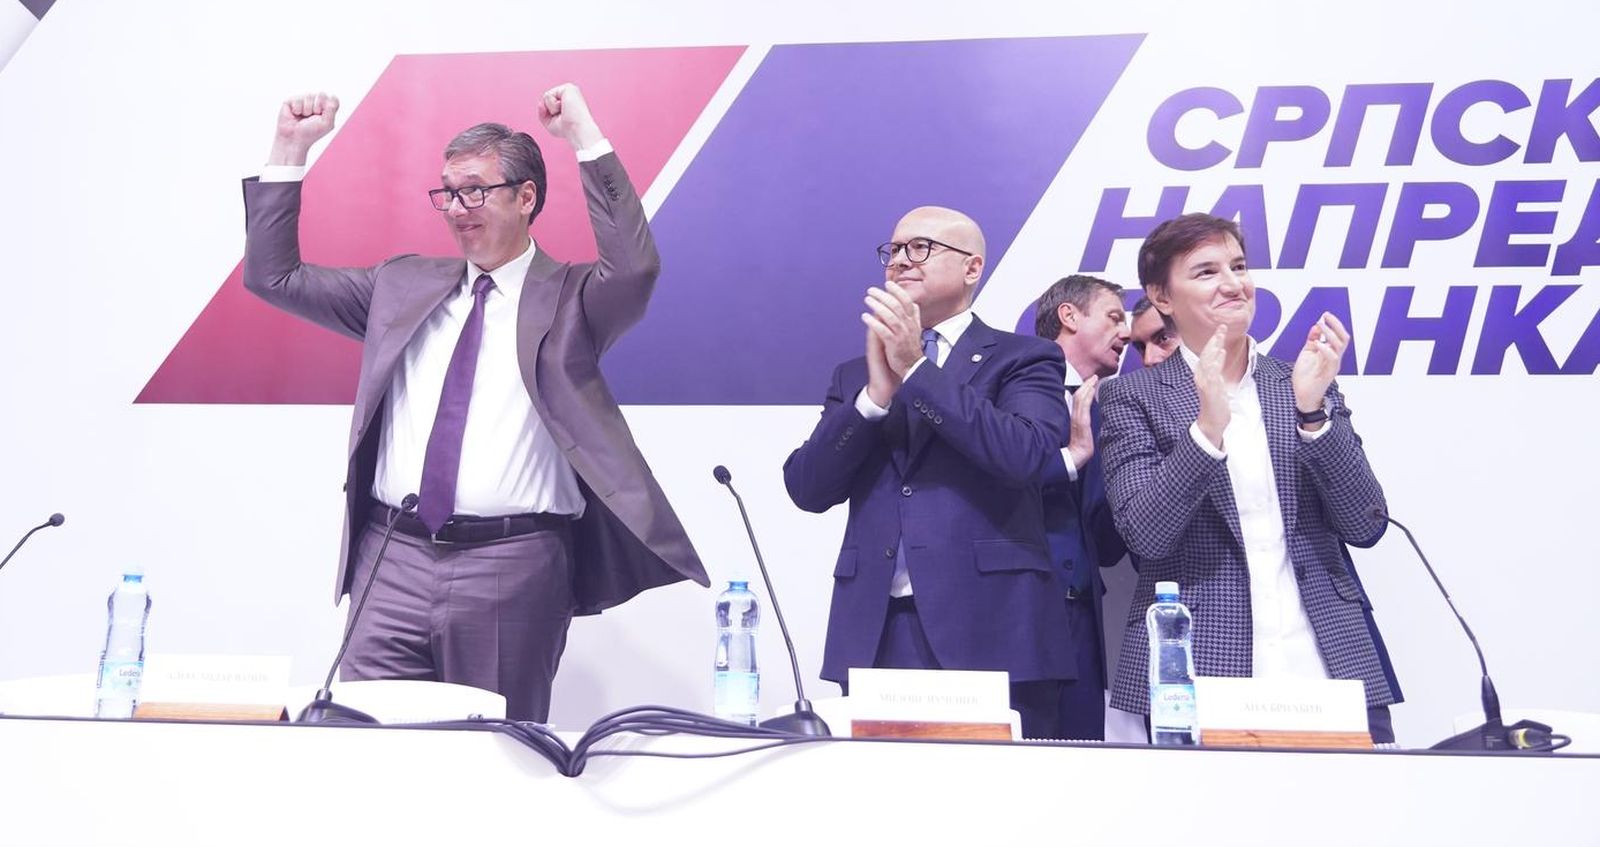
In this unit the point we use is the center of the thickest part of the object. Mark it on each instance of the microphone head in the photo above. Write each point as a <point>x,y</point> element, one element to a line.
<point>722,475</point>
<point>408,503</point>
<point>1379,513</point>
<point>57,519</point>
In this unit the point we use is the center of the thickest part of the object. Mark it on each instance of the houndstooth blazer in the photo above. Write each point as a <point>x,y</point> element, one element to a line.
<point>1173,504</point>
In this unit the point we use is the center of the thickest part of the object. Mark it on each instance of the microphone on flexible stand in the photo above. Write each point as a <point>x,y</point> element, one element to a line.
<point>322,709</point>
<point>1493,735</point>
<point>804,721</point>
<point>54,520</point>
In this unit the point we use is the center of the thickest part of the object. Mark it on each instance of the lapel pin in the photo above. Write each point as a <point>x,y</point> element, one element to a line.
<point>977,357</point>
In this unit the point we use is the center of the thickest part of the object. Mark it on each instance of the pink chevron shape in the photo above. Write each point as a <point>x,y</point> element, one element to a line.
<point>365,198</point>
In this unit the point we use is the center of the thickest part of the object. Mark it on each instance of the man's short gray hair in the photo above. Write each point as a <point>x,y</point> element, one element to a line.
<point>519,156</point>
<point>1079,290</point>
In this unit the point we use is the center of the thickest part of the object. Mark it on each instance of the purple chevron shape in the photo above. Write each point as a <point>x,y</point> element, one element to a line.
<point>767,240</point>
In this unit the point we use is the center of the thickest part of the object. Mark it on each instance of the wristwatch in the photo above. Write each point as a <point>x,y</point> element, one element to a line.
<point>1307,418</point>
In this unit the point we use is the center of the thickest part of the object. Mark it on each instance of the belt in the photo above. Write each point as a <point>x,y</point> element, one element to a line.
<point>465,529</point>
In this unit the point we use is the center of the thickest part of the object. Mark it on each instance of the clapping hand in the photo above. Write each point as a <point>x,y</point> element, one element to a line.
<point>1211,383</point>
<point>1318,362</point>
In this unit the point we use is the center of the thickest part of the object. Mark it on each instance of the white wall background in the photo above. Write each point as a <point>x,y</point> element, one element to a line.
<point>15,24</point>
<point>127,126</point>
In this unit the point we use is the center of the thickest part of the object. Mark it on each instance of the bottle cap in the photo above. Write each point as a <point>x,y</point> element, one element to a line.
<point>136,572</point>
<point>738,585</point>
<point>1166,590</point>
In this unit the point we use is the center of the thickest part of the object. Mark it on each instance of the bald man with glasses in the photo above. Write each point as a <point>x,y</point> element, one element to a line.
<point>936,439</point>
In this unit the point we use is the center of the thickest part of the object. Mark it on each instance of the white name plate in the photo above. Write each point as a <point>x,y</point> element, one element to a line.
<point>1293,705</point>
<point>215,678</point>
<point>917,695</point>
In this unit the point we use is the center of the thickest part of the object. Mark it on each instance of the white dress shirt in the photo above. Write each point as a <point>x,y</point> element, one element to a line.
<point>509,462</point>
<point>1283,642</point>
<point>949,330</point>
<point>1074,380</point>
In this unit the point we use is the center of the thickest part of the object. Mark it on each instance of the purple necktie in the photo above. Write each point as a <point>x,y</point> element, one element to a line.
<point>441,465</point>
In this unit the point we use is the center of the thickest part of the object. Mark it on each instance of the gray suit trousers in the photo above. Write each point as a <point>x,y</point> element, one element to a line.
<point>493,615</point>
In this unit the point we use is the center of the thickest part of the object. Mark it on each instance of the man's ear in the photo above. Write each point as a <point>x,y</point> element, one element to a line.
<point>527,198</point>
<point>1067,314</point>
<point>974,270</point>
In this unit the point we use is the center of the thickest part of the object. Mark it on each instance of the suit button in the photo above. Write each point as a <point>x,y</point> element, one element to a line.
<point>905,491</point>
<point>888,552</point>
<point>938,419</point>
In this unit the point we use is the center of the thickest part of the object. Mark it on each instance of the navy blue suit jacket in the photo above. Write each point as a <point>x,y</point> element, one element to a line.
<point>953,470</point>
<point>1077,518</point>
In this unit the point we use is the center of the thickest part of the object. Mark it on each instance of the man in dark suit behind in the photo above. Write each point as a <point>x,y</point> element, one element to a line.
<point>936,438</point>
<point>480,390</point>
<point>1083,315</point>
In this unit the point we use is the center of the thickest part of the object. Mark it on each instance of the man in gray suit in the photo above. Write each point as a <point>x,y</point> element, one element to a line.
<point>480,390</point>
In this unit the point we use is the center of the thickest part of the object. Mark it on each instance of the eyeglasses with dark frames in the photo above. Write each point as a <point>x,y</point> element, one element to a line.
<point>917,250</point>
<point>471,197</point>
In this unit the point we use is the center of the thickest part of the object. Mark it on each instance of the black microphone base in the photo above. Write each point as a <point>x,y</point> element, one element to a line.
<point>1497,738</point>
<point>322,709</point>
<point>1482,737</point>
<point>802,721</point>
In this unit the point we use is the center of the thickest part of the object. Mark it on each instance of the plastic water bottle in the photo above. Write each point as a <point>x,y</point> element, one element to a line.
<point>736,694</point>
<point>1172,712</point>
<point>122,661</point>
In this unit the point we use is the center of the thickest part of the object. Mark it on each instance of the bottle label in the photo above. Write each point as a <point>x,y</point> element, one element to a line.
<point>1172,707</point>
<point>121,679</point>
<point>737,695</point>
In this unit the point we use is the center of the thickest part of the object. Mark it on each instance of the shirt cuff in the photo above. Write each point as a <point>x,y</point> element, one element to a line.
<point>1309,437</point>
<point>913,369</point>
<point>868,409</point>
<point>595,150</point>
<point>1072,469</point>
<point>1205,443</point>
<point>283,173</point>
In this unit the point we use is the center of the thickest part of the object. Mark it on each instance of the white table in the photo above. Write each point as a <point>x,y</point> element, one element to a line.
<point>87,782</point>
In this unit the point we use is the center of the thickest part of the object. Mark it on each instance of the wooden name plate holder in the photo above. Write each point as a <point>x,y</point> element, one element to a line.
<point>930,729</point>
<point>1300,739</point>
<point>1311,714</point>
<point>214,687</point>
<point>930,704</point>
<point>210,712</point>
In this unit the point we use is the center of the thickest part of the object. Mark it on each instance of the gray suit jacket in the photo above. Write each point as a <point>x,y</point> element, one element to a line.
<point>1173,505</point>
<point>628,539</point>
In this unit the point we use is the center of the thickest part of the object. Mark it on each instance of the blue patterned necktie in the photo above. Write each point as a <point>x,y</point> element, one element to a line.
<point>441,464</point>
<point>930,346</point>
